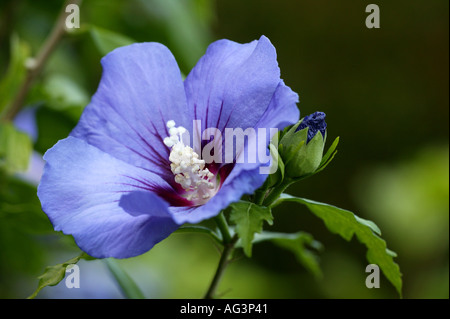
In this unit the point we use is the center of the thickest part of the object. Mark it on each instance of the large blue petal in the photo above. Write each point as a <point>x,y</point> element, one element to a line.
<point>233,84</point>
<point>108,206</point>
<point>140,90</point>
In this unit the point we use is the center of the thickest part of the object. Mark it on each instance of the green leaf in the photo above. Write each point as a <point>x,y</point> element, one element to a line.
<point>249,219</point>
<point>15,148</point>
<point>300,245</point>
<point>106,40</point>
<point>347,224</point>
<point>20,52</point>
<point>126,284</point>
<point>54,274</point>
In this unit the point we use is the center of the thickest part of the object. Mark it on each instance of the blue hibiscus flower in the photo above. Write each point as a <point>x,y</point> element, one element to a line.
<point>126,178</point>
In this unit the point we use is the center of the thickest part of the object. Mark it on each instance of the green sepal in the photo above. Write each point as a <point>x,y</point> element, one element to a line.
<point>291,142</point>
<point>329,155</point>
<point>308,158</point>
<point>301,158</point>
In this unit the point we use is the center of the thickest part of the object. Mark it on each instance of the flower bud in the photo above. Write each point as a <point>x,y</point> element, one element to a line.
<point>301,147</point>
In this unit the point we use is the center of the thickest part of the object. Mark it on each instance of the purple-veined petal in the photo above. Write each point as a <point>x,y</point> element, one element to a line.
<point>140,90</point>
<point>109,206</point>
<point>282,110</point>
<point>233,84</point>
<point>238,86</point>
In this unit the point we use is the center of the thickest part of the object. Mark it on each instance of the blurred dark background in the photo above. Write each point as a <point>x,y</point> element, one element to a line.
<point>385,93</point>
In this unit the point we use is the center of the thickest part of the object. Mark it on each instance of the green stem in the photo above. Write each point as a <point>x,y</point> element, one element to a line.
<point>259,196</point>
<point>126,284</point>
<point>276,192</point>
<point>223,263</point>
<point>228,247</point>
<point>223,227</point>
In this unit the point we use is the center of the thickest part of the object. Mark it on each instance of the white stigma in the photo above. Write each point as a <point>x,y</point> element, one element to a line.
<point>189,170</point>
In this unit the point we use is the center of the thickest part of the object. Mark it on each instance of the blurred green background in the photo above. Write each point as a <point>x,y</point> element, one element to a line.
<point>385,93</point>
